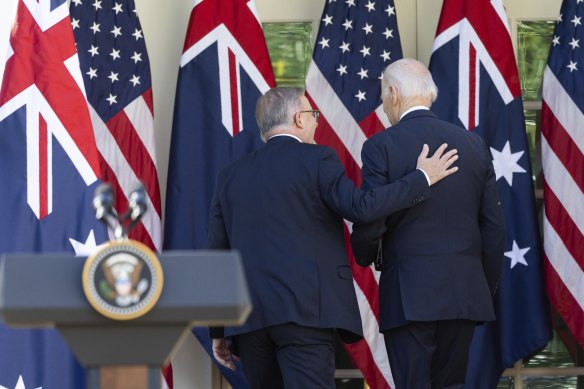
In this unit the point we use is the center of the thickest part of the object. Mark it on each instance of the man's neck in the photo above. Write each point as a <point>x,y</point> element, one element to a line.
<point>411,109</point>
<point>285,134</point>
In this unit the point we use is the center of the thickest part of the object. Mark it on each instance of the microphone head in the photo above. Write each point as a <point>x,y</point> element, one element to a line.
<point>103,200</point>
<point>137,202</point>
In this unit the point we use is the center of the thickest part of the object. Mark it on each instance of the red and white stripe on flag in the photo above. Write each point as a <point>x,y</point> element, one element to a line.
<point>562,146</point>
<point>355,43</point>
<point>116,74</point>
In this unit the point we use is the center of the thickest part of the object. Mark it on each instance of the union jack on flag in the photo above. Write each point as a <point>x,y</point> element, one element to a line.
<point>473,65</point>
<point>562,147</point>
<point>224,69</point>
<point>356,41</point>
<point>55,148</point>
<point>49,168</point>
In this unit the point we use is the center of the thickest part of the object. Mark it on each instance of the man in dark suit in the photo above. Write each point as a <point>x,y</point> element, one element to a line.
<point>442,258</point>
<point>282,208</point>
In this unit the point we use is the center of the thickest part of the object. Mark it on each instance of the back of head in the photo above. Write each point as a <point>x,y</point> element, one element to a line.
<point>411,78</point>
<point>276,108</point>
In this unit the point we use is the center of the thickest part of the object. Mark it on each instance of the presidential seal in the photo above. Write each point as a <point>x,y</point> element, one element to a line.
<point>123,280</point>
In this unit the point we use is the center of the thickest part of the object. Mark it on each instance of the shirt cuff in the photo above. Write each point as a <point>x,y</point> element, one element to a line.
<point>425,175</point>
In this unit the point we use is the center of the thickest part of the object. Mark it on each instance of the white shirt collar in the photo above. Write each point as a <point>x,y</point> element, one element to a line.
<point>414,108</point>
<point>290,135</point>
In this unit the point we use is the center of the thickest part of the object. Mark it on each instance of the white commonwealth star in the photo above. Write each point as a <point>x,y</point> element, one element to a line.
<point>85,249</point>
<point>517,255</point>
<point>19,384</point>
<point>505,163</point>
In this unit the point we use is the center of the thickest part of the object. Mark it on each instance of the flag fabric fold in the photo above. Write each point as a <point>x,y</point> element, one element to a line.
<point>116,75</point>
<point>355,42</point>
<point>75,110</point>
<point>224,69</point>
<point>563,170</point>
<point>49,166</point>
<point>473,65</point>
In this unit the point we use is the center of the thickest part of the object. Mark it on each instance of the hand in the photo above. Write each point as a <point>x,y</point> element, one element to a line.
<point>437,167</point>
<point>223,355</point>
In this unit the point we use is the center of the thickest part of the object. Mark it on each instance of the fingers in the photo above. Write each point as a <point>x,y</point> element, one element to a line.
<point>440,151</point>
<point>225,360</point>
<point>222,354</point>
<point>449,154</point>
<point>425,151</point>
<point>449,159</point>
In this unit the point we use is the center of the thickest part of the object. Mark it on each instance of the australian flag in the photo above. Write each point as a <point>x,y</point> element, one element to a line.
<point>473,65</point>
<point>49,169</point>
<point>224,69</point>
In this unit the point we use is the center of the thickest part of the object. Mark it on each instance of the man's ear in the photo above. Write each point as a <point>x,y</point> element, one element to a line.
<point>298,120</point>
<point>393,92</point>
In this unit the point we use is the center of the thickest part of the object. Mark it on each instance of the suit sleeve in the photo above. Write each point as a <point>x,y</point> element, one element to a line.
<point>492,225</point>
<point>365,236</point>
<point>341,194</point>
<point>217,239</point>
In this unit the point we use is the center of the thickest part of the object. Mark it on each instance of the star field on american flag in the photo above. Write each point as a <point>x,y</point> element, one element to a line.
<point>116,73</point>
<point>353,47</point>
<point>112,50</point>
<point>567,51</point>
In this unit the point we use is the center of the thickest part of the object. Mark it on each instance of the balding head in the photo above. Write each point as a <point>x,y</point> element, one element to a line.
<point>411,79</point>
<point>406,83</point>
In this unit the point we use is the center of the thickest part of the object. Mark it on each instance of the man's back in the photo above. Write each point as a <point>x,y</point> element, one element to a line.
<point>435,264</point>
<point>291,241</point>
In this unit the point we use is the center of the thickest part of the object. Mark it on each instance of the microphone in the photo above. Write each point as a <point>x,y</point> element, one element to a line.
<point>137,203</point>
<point>121,225</point>
<point>103,202</point>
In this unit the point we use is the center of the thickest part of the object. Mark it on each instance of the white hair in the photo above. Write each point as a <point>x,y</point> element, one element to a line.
<point>411,78</point>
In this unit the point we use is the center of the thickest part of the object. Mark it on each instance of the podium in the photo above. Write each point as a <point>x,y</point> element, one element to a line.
<point>202,288</point>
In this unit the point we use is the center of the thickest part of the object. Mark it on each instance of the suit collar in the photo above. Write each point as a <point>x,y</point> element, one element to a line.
<point>283,138</point>
<point>418,113</point>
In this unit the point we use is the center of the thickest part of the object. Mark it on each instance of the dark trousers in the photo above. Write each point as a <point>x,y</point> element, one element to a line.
<point>429,355</point>
<point>288,356</point>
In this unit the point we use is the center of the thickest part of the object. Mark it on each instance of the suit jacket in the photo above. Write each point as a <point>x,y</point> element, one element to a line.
<point>442,258</point>
<point>282,207</point>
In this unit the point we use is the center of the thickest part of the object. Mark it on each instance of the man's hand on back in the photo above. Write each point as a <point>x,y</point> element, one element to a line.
<point>438,165</point>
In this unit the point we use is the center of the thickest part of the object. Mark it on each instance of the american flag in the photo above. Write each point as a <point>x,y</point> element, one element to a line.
<point>116,73</point>
<point>473,65</point>
<point>224,69</point>
<point>356,41</point>
<point>49,169</point>
<point>562,147</point>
